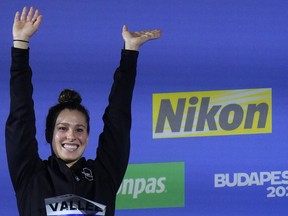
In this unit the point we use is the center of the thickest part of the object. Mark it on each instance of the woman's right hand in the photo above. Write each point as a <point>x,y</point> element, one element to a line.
<point>25,25</point>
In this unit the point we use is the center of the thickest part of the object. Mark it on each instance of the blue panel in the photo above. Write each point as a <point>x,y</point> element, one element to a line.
<point>206,45</point>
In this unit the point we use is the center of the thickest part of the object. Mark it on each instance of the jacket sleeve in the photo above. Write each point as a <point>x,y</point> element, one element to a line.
<point>20,131</point>
<point>114,142</point>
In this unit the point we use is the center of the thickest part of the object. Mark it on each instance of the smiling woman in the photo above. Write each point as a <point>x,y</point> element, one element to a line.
<point>67,177</point>
<point>70,121</point>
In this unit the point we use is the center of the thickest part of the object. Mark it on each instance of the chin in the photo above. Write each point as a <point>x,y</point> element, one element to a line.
<point>69,159</point>
<point>70,162</point>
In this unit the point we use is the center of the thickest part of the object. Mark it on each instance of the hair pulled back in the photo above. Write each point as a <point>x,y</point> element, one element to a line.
<point>68,99</point>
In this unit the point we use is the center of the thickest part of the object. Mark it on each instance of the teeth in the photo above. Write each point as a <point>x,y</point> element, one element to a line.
<point>70,147</point>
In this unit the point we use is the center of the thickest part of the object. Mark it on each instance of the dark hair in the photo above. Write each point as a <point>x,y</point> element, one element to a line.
<point>68,99</point>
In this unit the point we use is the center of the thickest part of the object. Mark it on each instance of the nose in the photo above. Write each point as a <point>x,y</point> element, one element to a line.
<point>70,135</point>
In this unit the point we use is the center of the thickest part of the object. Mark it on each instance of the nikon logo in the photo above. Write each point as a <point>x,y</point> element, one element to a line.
<point>212,113</point>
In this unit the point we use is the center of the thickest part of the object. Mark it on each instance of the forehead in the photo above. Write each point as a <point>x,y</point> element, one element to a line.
<point>71,117</point>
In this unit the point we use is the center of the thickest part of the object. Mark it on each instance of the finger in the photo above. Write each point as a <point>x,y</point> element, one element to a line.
<point>145,33</point>
<point>38,21</point>
<point>17,15</point>
<point>157,33</point>
<point>36,15</point>
<point>23,15</point>
<point>151,31</point>
<point>124,28</point>
<point>150,35</point>
<point>154,33</point>
<point>30,14</point>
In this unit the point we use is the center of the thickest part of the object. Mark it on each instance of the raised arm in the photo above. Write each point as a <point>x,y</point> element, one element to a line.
<point>21,144</point>
<point>114,143</point>
<point>24,27</point>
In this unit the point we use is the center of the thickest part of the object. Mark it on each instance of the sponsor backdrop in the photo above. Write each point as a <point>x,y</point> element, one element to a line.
<point>210,105</point>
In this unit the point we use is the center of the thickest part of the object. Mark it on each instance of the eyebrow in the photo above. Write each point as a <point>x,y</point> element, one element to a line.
<point>67,124</point>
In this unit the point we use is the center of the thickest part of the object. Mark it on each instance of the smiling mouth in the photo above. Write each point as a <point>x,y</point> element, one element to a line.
<point>70,147</point>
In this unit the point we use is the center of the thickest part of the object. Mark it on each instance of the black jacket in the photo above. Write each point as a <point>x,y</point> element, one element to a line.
<point>98,180</point>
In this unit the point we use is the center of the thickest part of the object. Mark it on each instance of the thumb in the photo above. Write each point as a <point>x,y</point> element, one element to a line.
<point>124,28</point>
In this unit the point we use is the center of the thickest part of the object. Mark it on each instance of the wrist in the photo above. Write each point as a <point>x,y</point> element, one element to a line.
<point>131,47</point>
<point>23,41</point>
<point>21,44</point>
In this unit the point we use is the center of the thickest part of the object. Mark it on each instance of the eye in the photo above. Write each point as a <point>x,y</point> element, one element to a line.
<point>79,130</point>
<point>62,128</point>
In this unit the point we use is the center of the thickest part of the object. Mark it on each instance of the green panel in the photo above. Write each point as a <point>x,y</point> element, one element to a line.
<point>152,186</point>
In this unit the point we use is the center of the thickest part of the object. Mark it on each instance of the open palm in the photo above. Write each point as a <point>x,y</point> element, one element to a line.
<point>25,25</point>
<point>134,40</point>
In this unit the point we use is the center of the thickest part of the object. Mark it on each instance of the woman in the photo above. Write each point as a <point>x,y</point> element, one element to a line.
<point>67,182</point>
